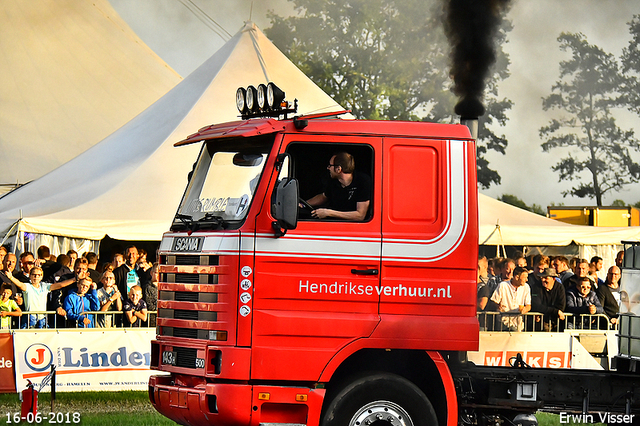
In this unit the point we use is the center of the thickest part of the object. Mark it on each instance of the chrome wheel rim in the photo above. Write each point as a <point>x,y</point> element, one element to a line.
<point>381,413</point>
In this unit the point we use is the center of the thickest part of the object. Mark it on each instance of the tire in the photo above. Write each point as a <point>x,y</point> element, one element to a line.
<point>379,399</point>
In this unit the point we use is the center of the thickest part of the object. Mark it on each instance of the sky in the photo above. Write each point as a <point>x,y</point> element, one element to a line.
<point>177,35</point>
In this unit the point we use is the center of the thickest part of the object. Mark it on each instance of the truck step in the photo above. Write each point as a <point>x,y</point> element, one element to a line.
<point>282,424</point>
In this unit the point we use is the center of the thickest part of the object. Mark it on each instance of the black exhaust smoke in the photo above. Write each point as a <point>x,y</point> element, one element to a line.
<point>471,26</point>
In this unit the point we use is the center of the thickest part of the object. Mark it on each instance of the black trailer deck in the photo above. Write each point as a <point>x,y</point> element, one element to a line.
<point>598,396</point>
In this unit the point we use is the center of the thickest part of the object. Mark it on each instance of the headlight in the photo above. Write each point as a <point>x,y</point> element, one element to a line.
<point>263,101</point>
<point>262,97</point>
<point>274,96</point>
<point>252,99</point>
<point>240,99</point>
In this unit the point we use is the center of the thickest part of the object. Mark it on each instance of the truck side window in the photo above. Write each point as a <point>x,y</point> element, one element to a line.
<point>335,180</point>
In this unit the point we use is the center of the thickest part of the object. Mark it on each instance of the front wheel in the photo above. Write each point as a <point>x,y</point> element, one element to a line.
<point>380,399</point>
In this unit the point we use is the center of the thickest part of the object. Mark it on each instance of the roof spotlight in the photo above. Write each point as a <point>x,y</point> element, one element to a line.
<point>240,100</point>
<point>262,97</point>
<point>263,101</point>
<point>274,96</point>
<point>252,99</point>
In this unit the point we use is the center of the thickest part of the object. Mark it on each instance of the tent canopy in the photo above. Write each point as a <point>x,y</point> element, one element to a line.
<point>503,224</point>
<point>128,186</point>
<point>71,73</point>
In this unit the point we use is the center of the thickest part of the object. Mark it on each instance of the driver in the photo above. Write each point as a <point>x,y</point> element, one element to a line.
<point>347,195</point>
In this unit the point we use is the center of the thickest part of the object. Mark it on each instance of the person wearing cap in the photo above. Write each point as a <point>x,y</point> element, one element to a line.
<point>548,298</point>
<point>582,300</point>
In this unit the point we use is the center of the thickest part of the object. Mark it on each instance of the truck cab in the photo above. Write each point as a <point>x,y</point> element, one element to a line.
<point>267,315</point>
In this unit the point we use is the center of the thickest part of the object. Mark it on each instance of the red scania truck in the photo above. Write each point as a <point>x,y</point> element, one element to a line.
<point>268,316</point>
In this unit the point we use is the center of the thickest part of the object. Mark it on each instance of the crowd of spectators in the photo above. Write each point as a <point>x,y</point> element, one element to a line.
<point>45,292</point>
<point>554,293</point>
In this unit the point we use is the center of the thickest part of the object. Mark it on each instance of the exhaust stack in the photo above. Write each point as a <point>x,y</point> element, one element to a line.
<point>472,124</point>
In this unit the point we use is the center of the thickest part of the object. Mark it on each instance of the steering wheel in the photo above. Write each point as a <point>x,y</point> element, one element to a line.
<point>305,204</point>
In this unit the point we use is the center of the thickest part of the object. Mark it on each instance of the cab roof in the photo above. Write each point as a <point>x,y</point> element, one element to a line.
<point>322,125</point>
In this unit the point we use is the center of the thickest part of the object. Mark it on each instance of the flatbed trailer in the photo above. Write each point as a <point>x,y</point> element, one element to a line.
<point>486,394</point>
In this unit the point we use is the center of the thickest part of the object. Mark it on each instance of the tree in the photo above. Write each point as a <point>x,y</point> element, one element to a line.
<point>517,202</point>
<point>387,59</point>
<point>599,152</point>
<point>631,68</point>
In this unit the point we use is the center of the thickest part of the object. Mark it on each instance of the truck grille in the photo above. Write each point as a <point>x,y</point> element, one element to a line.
<point>189,297</point>
<point>188,315</point>
<point>192,333</point>
<point>186,357</point>
<point>182,296</point>
<point>188,259</point>
<point>189,333</point>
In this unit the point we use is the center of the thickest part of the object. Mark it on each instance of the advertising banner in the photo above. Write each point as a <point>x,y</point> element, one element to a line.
<point>541,350</point>
<point>7,372</point>
<point>90,360</point>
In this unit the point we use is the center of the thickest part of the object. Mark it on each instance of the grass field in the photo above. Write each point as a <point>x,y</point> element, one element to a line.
<point>547,419</point>
<point>126,408</point>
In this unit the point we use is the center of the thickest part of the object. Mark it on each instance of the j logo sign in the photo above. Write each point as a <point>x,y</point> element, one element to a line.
<point>38,357</point>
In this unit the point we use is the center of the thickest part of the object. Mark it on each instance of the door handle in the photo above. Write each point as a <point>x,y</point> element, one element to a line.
<point>364,271</point>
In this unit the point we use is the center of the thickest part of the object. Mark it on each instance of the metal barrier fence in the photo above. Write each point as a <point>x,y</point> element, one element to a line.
<point>489,321</point>
<point>51,319</point>
<point>532,322</point>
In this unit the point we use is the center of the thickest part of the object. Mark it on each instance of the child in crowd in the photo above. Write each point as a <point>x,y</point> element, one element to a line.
<point>79,303</point>
<point>135,309</point>
<point>36,293</point>
<point>118,259</point>
<point>109,298</point>
<point>8,307</point>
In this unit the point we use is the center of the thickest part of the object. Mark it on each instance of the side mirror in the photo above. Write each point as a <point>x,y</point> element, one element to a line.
<point>285,206</point>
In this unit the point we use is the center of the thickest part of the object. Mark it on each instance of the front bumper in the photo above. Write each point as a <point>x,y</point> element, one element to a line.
<point>232,404</point>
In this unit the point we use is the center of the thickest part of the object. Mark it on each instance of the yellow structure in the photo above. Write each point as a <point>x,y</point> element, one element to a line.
<point>596,216</point>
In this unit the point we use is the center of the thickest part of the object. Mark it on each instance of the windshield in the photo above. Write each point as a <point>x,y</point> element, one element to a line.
<point>223,183</point>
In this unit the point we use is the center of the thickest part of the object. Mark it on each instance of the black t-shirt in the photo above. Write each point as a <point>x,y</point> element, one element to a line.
<point>346,199</point>
<point>128,306</point>
<point>485,291</point>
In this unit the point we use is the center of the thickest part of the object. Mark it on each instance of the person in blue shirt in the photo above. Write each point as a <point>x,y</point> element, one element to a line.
<point>79,303</point>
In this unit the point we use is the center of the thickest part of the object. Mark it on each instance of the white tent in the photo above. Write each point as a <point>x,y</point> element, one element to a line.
<point>504,225</point>
<point>71,73</point>
<point>128,186</point>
